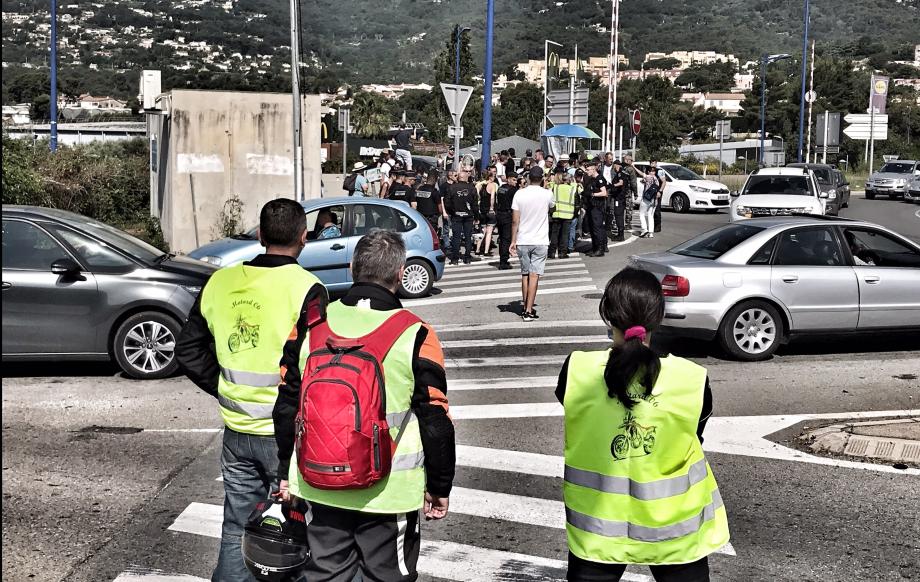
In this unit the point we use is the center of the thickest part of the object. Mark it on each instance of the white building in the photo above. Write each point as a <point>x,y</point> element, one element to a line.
<point>728,103</point>
<point>689,58</point>
<point>395,91</point>
<point>17,114</point>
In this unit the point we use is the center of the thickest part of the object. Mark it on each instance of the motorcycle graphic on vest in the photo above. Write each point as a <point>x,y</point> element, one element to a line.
<point>245,337</point>
<point>636,440</point>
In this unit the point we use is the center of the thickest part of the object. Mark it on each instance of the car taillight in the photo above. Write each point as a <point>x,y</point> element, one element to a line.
<point>434,237</point>
<point>675,286</point>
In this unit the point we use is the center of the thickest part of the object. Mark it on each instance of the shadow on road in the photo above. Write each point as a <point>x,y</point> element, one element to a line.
<point>833,345</point>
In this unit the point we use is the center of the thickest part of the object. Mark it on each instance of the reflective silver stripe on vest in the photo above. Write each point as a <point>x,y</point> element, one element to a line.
<point>255,379</point>
<point>642,533</point>
<point>645,491</point>
<point>408,461</point>
<point>256,411</point>
<point>395,419</point>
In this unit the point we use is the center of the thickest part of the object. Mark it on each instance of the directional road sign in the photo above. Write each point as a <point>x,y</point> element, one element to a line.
<point>723,129</point>
<point>558,106</point>
<point>861,132</point>
<point>866,118</point>
<point>457,97</point>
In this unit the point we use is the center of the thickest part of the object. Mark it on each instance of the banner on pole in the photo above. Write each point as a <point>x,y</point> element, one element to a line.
<point>879,94</point>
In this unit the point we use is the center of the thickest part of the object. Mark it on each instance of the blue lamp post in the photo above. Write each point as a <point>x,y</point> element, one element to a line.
<point>764,61</point>
<point>804,67</point>
<point>458,33</point>
<point>487,90</point>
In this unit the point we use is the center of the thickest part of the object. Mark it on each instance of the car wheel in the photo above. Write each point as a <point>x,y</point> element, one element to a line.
<point>870,195</point>
<point>680,203</point>
<point>417,279</point>
<point>751,331</point>
<point>145,344</point>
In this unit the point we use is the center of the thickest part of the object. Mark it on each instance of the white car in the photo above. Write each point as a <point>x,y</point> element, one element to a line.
<point>687,190</point>
<point>778,192</point>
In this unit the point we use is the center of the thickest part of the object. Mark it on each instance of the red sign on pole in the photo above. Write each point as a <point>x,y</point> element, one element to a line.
<point>636,122</point>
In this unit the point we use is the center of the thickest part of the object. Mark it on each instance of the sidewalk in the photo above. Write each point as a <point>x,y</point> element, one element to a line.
<point>895,440</point>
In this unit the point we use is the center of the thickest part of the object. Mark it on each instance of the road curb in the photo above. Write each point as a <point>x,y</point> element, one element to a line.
<point>895,440</point>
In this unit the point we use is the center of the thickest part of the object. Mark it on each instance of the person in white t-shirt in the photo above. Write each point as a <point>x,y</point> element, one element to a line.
<point>530,236</point>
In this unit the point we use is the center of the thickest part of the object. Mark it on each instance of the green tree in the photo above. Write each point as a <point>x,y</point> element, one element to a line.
<point>370,114</point>
<point>519,112</point>
<point>665,63</point>
<point>708,78</point>
<point>445,61</point>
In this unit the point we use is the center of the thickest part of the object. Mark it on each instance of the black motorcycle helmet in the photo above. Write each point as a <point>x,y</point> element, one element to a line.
<point>275,541</point>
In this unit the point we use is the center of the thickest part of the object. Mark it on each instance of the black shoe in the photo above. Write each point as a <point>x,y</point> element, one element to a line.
<point>528,316</point>
<point>564,256</point>
<point>551,256</point>
<point>620,238</point>
<point>504,266</point>
<point>467,261</point>
<point>592,254</point>
<point>533,314</point>
<point>454,262</point>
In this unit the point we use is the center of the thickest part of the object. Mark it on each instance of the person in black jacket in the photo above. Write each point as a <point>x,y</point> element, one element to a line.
<point>461,203</point>
<point>503,213</point>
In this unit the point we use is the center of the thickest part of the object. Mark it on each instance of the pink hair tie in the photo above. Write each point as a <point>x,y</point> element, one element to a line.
<point>635,331</point>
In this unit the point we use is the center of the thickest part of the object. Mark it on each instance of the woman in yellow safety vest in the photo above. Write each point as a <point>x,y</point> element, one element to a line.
<point>637,487</point>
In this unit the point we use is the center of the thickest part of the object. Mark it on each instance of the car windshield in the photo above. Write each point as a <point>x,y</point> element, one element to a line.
<point>823,175</point>
<point>118,239</point>
<point>682,173</point>
<point>791,185</point>
<point>715,243</point>
<point>896,168</point>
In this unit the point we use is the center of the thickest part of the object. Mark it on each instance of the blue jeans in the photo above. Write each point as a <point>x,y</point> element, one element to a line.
<point>445,235</point>
<point>248,464</point>
<point>573,230</point>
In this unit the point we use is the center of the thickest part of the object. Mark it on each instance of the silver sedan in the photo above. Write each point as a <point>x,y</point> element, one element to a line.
<point>756,284</point>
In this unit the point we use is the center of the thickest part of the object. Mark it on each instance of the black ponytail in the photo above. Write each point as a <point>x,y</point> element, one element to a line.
<point>632,298</point>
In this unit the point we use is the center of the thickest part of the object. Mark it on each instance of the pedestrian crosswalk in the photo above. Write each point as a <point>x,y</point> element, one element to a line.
<point>506,518</point>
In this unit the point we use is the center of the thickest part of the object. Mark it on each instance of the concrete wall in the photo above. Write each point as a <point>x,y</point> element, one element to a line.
<point>213,144</point>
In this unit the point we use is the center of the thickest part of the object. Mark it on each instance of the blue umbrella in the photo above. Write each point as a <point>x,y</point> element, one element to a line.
<point>571,131</point>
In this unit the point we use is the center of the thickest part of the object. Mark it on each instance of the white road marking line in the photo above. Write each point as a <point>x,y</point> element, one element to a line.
<point>472,275</point>
<point>514,284</point>
<point>731,435</point>
<point>505,361</point>
<point>480,297</point>
<point>442,329</point>
<point>150,575</point>
<point>501,383</point>
<point>513,461</point>
<point>183,429</point>
<point>510,275</point>
<point>525,341</point>
<point>137,574</point>
<point>494,260</point>
<point>439,558</point>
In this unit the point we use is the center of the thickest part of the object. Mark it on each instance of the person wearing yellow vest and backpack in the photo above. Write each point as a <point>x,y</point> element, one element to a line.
<point>564,194</point>
<point>637,486</point>
<point>362,425</point>
<point>230,347</point>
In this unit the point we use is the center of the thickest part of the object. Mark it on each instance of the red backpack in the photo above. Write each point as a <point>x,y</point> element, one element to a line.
<point>343,438</point>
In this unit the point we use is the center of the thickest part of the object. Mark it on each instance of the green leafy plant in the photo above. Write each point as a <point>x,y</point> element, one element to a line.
<point>230,219</point>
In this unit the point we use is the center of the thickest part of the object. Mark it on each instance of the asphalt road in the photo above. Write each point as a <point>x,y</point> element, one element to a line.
<point>105,478</point>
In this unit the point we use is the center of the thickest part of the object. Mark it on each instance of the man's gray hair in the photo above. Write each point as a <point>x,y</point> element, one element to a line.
<point>378,257</point>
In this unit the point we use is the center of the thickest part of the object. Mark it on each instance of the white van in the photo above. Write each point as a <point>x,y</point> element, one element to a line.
<point>687,190</point>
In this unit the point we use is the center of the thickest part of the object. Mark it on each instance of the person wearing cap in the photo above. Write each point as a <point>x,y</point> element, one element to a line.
<point>637,487</point>
<point>596,188</point>
<point>530,236</point>
<point>362,184</point>
<point>446,162</point>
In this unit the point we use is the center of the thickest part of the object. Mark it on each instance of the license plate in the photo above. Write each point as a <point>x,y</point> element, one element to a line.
<point>723,197</point>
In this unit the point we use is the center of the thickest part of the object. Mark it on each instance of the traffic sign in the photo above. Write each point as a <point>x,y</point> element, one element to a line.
<point>344,119</point>
<point>723,129</point>
<point>636,122</point>
<point>862,132</point>
<point>811,97</point>
<point>866,118</point>
<point>452,131</point>
<point>558,107</point>
<point>457,97</point>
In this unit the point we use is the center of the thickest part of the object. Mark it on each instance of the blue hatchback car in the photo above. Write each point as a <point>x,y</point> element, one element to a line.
<point>328,251</point>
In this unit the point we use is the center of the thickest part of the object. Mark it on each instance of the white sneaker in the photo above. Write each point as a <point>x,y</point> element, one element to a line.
<point>651,235</point>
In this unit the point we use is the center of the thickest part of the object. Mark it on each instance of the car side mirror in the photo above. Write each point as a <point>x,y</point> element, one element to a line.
<point>66,268</point>
<point>845,184</point>
<point>734,193</point>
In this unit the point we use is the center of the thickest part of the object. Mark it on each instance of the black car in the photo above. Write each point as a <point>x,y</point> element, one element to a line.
<point>832,181</point>
<point>77,289</point>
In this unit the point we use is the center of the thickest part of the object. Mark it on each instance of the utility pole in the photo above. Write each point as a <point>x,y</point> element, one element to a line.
<point>613,67</point>
<point>811,102</point>
<point>487,90</point>
<point>802,96</point>
<point>871,124</point>
<point>295,91</point>
<point>824,149</point>
<point>546,44</point>
<point>54,91</point>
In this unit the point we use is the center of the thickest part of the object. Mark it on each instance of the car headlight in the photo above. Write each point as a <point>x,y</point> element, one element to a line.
<point>742,210</point>
<point>900,182</point>
<point>194,290</point>
<point>214,260</point>
<point>699,188</point>
<point>832,194</point>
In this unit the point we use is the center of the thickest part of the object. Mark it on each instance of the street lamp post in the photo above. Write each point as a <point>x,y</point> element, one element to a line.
<point>745,163</point>
<point>487,89</point>
<point>546,44</point>
<point>458,33</point>
<point>802,95</point>
<point>764,61</point>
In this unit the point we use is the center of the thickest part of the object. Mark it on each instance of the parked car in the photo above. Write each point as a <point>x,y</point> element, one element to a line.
<point>832,182</point>
<point>77,289</point>
<point>686,190</point>
<point>756,284</point>
<point>892,179</point>
<point>778,192</point>
<point>329,258</point>
<point>913,190</point>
